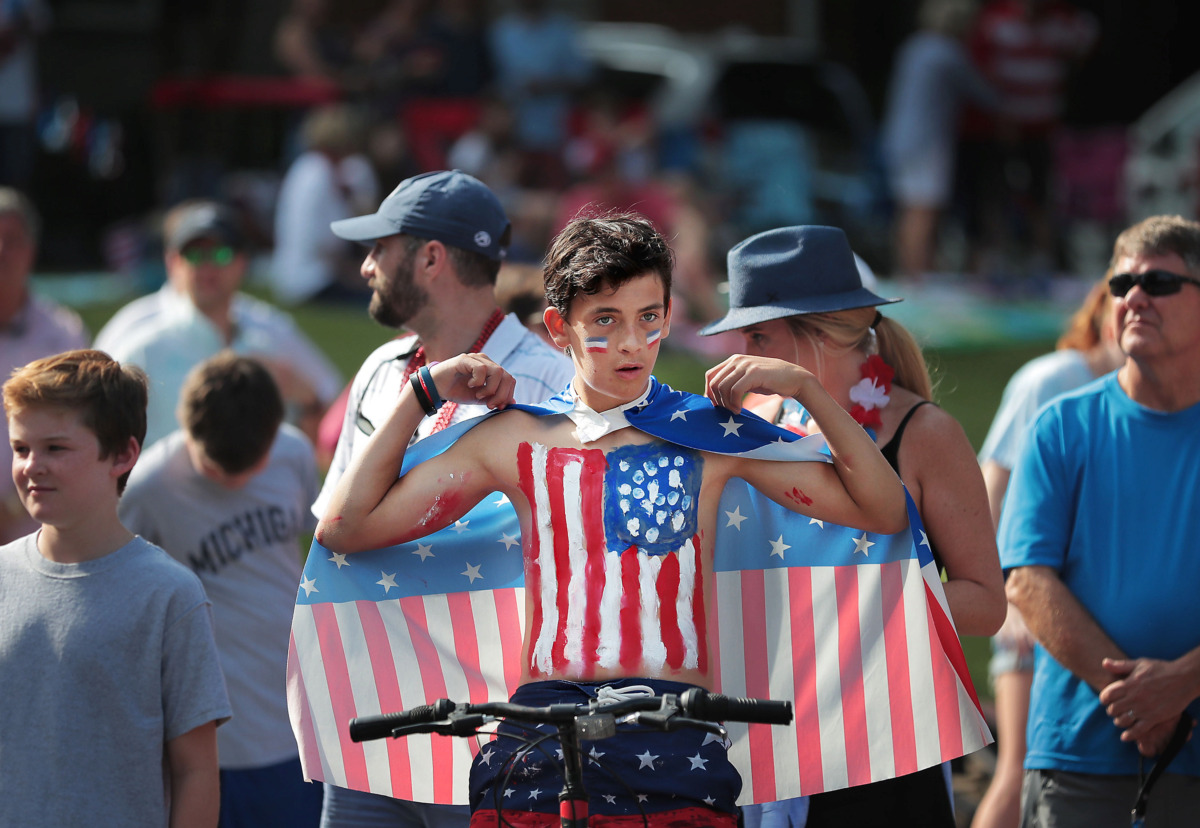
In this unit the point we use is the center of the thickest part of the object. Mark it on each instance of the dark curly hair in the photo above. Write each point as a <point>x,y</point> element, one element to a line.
<point>595,253</point>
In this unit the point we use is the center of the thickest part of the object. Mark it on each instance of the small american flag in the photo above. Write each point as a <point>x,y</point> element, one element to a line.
<point>851,626</point>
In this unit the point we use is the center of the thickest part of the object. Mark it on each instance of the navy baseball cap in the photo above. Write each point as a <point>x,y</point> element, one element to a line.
<point>207,220</point>
<point>792,271</point>
<point>449,206</point>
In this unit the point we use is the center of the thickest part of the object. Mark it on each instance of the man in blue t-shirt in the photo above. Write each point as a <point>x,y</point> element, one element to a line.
<point>1098,540</point>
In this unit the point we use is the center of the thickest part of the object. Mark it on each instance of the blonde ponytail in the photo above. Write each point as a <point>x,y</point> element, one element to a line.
<point>857,329</point>
<point>900,350</point>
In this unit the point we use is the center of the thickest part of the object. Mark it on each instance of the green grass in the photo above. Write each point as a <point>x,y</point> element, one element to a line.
<point>968,385</point>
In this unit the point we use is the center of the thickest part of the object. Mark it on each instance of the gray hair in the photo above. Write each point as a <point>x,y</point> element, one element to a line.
<point>14,202</point>
<point>1161,236</point>
<point>949,17</point>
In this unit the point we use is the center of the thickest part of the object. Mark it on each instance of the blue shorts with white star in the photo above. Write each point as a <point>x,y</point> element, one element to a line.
<point>637,771</point>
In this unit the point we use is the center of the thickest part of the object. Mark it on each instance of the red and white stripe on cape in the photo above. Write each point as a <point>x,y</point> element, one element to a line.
<point>852,627</point>
<point>867,653</point>
<point>872,700</point>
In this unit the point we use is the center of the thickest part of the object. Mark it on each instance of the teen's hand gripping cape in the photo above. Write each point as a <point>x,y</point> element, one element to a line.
<point>853,627</point>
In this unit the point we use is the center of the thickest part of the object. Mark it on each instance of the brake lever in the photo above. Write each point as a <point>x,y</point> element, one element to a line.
<point>669,720</point>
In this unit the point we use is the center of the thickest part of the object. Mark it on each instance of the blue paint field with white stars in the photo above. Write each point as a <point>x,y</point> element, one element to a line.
<point>650,497</point>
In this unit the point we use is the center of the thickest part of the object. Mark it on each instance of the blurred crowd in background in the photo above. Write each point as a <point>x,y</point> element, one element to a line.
<point>965,164</point>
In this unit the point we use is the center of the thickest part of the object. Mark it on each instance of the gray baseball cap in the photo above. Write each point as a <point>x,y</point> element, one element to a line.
<point>207,220</point>
<point>449,206</point>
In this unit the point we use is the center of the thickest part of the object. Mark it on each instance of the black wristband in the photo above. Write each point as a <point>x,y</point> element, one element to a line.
<point>422,397</point>
<point>430,389</point>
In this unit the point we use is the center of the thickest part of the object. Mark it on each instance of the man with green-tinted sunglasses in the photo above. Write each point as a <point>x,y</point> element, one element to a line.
<point>200,311</point>
<point>206,256</point>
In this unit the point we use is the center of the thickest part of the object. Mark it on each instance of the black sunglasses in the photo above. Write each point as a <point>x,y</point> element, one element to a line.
<point>1154,282</point>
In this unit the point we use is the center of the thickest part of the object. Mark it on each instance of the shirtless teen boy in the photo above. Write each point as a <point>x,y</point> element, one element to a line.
<point>608,283</point>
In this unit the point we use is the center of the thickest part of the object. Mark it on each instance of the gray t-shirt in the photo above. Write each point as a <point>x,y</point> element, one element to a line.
<point>101,664</point>
<point>243,545</point>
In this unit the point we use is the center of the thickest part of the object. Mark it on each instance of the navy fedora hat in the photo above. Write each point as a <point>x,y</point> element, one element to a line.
<point>790,271</point>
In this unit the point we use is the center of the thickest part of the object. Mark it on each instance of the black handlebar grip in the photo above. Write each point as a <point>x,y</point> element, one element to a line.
<point>700,704</point>
<point>366,728</point>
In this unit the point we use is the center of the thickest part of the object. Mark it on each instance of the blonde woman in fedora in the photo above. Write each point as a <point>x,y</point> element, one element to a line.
<point>798,302</point>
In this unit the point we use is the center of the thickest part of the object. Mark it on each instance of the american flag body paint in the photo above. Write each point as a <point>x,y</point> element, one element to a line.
<point>614,561</point>
<point>653,337</point>
<point>595,344</point>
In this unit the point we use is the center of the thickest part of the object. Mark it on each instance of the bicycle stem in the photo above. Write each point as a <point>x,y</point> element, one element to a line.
<point>572,800</point>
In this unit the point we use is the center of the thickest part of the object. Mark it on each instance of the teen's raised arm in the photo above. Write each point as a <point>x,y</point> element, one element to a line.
<point>372,506</point>
<point>858,489</point>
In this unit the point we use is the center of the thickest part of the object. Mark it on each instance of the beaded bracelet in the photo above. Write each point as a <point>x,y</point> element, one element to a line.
<point>422,395</point>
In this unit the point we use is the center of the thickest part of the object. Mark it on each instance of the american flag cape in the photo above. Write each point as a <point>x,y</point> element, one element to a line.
<point>852,626</point>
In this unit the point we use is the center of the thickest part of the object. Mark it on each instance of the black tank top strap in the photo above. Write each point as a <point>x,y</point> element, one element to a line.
<point>891,451</point>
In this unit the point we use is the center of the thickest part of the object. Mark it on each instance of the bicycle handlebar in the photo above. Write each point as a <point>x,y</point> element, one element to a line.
<point>713,707</point>
<point>449,718</point>
<point>366,728</point>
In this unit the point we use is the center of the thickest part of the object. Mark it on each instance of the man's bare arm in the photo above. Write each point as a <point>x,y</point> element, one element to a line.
<point>1061,624</point>
<point>1154,691</point>
<point>373,507</point>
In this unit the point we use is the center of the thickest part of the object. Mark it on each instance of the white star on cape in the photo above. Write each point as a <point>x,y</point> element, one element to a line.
<point>593,756</point>
<point>460,526</point>
<point>472,572</point>
<point>646,759</point>
<point>535,793</point>
<point>731,427</point>
<point>309,585</point>
<point>339,559</point>
<point>681,414</point>
<point>709,801</point>
<point>486,757</point>
<point>820,523</point>
<point>862,545</point>
<point>611,799</point>
<point>924,539</point>
<point>424,550</point>
<point>697,762</point>
<point>735,518</point>
<point>778,547</point>
<point>502,501</point>
<point>509,541</point>
<point>387,582</point>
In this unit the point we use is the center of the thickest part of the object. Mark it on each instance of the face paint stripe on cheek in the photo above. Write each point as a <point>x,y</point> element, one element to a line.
<point>595,344</point>
<point>653,336</point>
